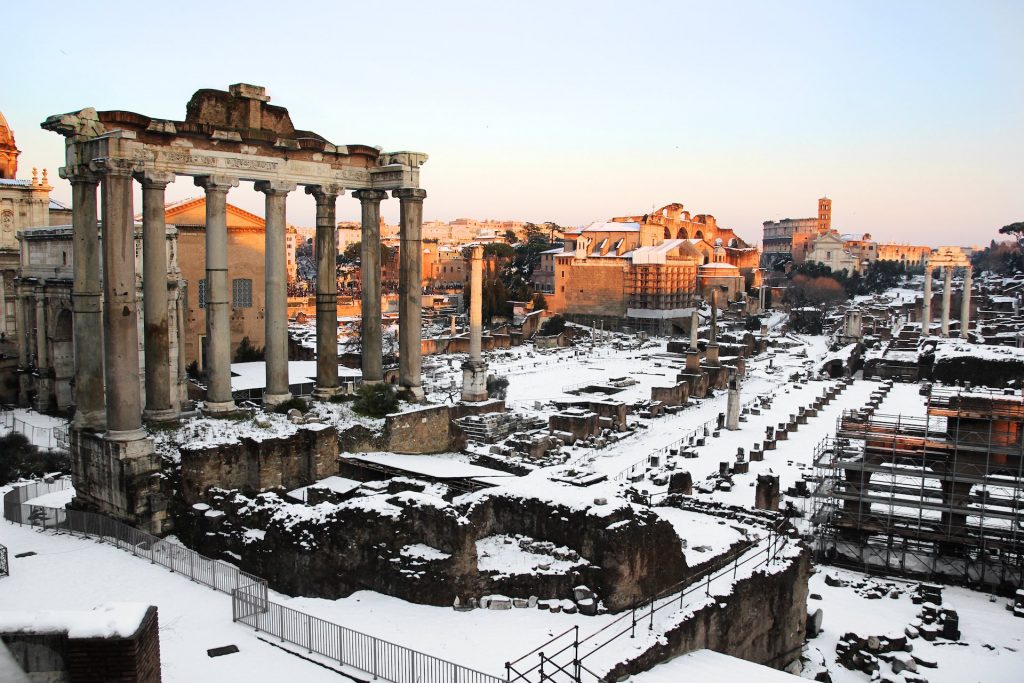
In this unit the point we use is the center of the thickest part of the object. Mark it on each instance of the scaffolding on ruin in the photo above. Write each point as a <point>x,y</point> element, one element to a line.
<point>937,496</point>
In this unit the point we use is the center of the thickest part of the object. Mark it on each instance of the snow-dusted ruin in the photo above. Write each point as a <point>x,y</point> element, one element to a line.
<point>629,507</point>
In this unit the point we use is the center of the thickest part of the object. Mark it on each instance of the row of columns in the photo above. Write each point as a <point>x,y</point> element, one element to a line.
<point>965,301</point>
<point>106,316</point>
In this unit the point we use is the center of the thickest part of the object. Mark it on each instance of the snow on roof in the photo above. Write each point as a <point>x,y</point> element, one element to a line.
<point>336,484</point>
<point>657,253</point>
<point>112,620</point>
<point>609,226</point>
<point>58,206</point>
<point>718,265</point>
<point>438,466</point>
<point>14,181</point>
<point>557,250</point>
<point>246,376</point>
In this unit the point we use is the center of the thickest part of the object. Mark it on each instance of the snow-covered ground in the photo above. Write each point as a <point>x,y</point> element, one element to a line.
<point>990,649</point>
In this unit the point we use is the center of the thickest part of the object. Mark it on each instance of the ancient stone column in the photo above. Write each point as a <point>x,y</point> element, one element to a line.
<point>43,369</point>
<point>181,392</point>
<point>926,306</point>
<point>120,305</point>
<point>694,326</point>
<point>711,351</point>
<point>275,316</point>
<point>946,292</point>
<point>157,343</point>
<point>732,409</point>
<point>410,291</point>
<point>965,304</point>
<point>326,197</point>
<point>21,320</point>
<point>218,311</point>
<point>369,259</point>
<point>474,371</point>
<point>86,297</point>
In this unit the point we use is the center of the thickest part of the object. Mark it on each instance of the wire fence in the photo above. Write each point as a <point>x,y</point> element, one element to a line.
<point>250,603</point>
<point>50,438</point>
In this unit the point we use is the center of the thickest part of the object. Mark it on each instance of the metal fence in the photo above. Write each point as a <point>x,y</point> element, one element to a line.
<point>380,658</point>
<point>50,438</point>
<point>213,573</point>
<point>250,603</point>
<point>5,569</point>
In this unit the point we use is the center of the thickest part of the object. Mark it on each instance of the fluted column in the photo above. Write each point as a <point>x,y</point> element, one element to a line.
<point>86,297</point>
<point>218,313</point>
<point>157,345</point>
<point>965,304</point>
<point>120,305</point>
<point>276,293</point>
<point>947,290</point>
<point>410,291</point>
<point>326,197</point>
<point>369,259</point>
<point>926,306</point>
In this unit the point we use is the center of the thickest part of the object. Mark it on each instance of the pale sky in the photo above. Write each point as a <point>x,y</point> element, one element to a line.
<point>909,115</point>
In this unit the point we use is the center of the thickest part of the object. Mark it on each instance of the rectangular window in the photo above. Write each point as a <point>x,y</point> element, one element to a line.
<point>202,293</point>
<point>241,293</point>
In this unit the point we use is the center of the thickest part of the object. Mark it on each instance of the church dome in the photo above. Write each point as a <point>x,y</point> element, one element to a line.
<point>6,134</point>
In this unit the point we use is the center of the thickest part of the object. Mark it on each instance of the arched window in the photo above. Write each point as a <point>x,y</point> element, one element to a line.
<point>682,235</point>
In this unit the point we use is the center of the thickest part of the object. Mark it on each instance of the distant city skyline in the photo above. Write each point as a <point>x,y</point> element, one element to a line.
<point>907,115</point>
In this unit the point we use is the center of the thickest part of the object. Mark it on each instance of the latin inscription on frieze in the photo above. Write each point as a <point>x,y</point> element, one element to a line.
<point>253,164</point>
<point>387,177</point>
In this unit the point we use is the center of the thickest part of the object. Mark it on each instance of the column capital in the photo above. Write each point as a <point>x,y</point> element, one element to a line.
<point>79,174</point>
<point>216,183</point>
<point>370,195</point>
<point>325,192</point>
<point>154,179</point>
<point>112,166</point>
<point>273,187</point>
<point>413,194</point>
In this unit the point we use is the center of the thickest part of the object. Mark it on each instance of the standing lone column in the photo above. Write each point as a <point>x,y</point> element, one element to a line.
<point>926,306</point>
<point>694,326</point>
<point>218,314</point>
<point>120,305</point>
<point>410,291</point>
<point>275,316</point>
<point>154,296</point>
<point>711,351</point>
<point>965,304</point>
<point>474,371</point>
<point>369,259</point>
<point>86,303</point>
<point>947,290</point>
<point>326,197</point>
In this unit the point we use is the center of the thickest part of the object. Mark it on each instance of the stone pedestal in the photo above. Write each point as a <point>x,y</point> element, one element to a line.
<point>693,360</point>
<point>732,411</point>
<point>474,381</point>
<point>766,496</point>
<point>711,355</point>
<point>118,479</point>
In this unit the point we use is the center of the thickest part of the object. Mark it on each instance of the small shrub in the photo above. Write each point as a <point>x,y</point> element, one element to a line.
<point>376,400</point>
<point>247,352</point>
<point>295,402</point>
<point>497,386</point>
<point>552,326</point>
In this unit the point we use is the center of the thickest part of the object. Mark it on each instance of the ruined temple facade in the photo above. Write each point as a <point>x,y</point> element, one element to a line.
<point>789,239</point>
<point>649,268</point>
<point>227,137</point>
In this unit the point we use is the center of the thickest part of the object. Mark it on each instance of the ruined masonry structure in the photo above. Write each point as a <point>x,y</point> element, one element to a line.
<point>947,258</point>
<point>226,137</point>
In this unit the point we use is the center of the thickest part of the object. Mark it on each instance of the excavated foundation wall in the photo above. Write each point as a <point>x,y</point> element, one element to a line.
<point>762,621</point>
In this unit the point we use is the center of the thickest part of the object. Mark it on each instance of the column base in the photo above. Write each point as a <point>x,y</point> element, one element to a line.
<point>273,400</point>
<point>127,435</point>
<point>219,407</point>
<point>474,381</point>
<point>159,416</point>
<point>325,393</point>
<point>412,394</point>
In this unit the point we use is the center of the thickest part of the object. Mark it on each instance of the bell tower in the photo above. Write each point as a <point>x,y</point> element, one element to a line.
<point>824,215</point>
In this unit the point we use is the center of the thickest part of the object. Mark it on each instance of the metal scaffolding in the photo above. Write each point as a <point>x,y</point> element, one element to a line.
<point>937,496</point>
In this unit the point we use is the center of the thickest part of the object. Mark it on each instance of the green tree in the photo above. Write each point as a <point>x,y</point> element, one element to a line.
<point>539,302</point>
<point>497,386</point>
<point>1014,230</point>
<point>552,326</point>
<point>375,400</point>
<point>247,352</point>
